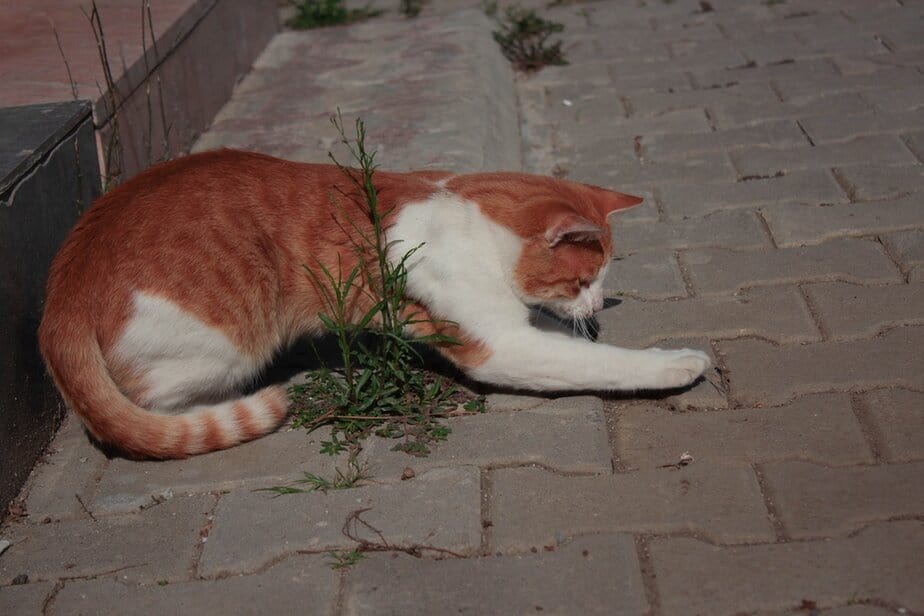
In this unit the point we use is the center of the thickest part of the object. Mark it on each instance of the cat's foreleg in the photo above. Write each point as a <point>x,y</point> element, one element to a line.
<point>527,358</point>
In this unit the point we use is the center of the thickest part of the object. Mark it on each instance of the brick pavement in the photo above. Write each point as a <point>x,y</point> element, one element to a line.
<point>780,145</point>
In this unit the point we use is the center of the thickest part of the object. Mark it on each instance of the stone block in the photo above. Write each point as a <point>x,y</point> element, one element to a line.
<point>666,147</point>
<point>848,311</point>
<point>883,149</point>
<point>589,575</point>
<point>657,103</point>
<point>820,428</point>
<point>825,128</point>
<point>735,229</point>
<point>774,313</point>
<point>647,275</point>
<point>898,97</point>
<point>440,508</point>
<point>851,260</point>
<point>798,224</point>
<point>754,112</point>
<point>898,415</point>
<point>25,599</point>
<point>805,69</point>
<point>300,584</point>
<point>908,248</point>
<point>156,544</point>
<point>761,373</point>
<point>869,182</point>
<point>814,501</point>
<point>531,508</point>
<point>697,578</point>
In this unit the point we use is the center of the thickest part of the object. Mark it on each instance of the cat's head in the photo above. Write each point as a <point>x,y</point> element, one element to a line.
<point>566,241</point>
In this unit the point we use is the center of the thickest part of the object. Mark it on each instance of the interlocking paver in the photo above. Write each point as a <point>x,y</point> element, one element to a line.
<point>908,248</point>
<point>440,508</point>
<point>809,86</point>
<point>851,311</point>
<point>532,508</point>
<point>815,501</point>
<point>156,544</point>
<point>656,103</point>
<point>762,373</point>
<point>851,260</point>
<point>24,598</point>
<point>589,575</point>
<point>734,114</point>
<point>884,149</point>
<point>298,585</point>
<point>697,578</point>
<point>729,229</point>
<point>649,275</point>
<point>784,133</point>
<point>776,313</point>
<point>898,415</point>
<point>820,428</point>
<point>809,69</point>
<point>870,182</point>
<point>824,128</point>
<point>799,224</point>
<point>906,97</point>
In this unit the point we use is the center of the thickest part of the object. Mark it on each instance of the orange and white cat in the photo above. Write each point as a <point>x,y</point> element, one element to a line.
<point>179,286</point>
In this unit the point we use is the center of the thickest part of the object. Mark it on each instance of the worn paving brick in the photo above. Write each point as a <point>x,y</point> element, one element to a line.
<point>884,149</point>
<point>697,578</point>
<point>820,428</point>
<point>601,575</point>
<point>898,415</point>
<point>648,275</point>
<point>299,584</point>
<point>851,260</point>
<point>656,103</point>
<point>906,98</point>
<point>851,311</point>
<point>810,86</point>
<point>775,313</point>
<point>568,436</point>
<point>871,63</point>
<point>883,181</point>
<point>128,484</point>
<point>24,599</point>
<point>798,224</point>
<point>803,69</point>
<point>158,543</point>
<point>826,128</point>
<point>618,129</point>
<point>696,199</point>
<point>700,167</point>
<point>72,466</point>
<point>761,373</point>
<point>908,248</point>
<point>533,508</point>
<point>440,508</point>
<point>729,229</point>
<point>708,391</point>
<point>783,133</point>
<point>815,501</point>
<point>753,112</point>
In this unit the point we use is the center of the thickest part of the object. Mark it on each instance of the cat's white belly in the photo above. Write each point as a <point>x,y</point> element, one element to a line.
<point>179,357</point>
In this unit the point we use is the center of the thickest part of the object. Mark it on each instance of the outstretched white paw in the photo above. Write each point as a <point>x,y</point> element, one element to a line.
<point>679,368</point>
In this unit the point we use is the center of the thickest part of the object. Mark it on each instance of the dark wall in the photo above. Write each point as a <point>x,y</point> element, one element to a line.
<point>49,174</point>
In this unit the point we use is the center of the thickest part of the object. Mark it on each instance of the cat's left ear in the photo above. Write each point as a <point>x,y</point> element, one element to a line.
<point>573,228</point>
<point>609,201</point>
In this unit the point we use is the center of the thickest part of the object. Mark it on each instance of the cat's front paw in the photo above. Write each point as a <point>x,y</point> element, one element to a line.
<point>678,368</point>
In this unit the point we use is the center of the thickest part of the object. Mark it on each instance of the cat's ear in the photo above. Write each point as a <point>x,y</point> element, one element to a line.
<point>609,201</point>
<point>573,228</point>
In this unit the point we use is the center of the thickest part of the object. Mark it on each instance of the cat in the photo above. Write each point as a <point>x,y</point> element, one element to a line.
<point>179,286</point>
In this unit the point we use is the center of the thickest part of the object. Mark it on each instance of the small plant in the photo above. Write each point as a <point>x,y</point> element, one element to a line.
<point>322,13</point>
<point>523,37</point>
<point>411,8</point>
<point>355,474</point>
<point>382,387</point>
<point>344,559</point>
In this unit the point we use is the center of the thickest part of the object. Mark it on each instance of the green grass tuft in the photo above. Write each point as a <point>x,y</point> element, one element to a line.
<point>524,39</point>
<point>322,13</point>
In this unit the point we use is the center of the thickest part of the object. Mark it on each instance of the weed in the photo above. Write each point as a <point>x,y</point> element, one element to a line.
<point>322,13</point>
<point>411,8</point>
<point>344,559</point>
<point>382,387</point>
<point>355,474</point>
<point>523,36</point>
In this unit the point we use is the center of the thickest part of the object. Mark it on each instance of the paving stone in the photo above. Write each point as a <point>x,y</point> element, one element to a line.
<point>24,599</point>
<point>849,311</point>
<point>851,260</point>
<point>617,128</point>
<point>820,428</point>
<point>805,87</point>
<point>761,373</point>
<point>753,112</point>
<point>512,402</point>
<point>915,142</point>
<point>129,485</point>
<point>299,584</point>
<point>870,63</point>
<point>815,501</point>
<point>908,248</point>
<point>72,466</point>
<point>569,436</point>
<point>656,103</point>
<point>707,392</point>
<point>729,229</point>
<point>895,99</point>
<point>798,224</point>
<point>601,575</point>
<point>697,578</point>
<point>665,147</point>
<point>696,199</point>
<point>825,128</point>
<point>807,69</point>
<point>158,543</point>
<point>533,508</point>
<point>701,167</point>
<point>884,149</point>
<point>899,417</point>
<point>774,313</point>
<point>883,181</point>
<point>440,508</point>
<point>648,275</point>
